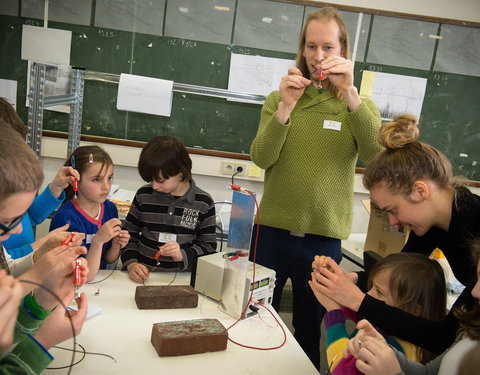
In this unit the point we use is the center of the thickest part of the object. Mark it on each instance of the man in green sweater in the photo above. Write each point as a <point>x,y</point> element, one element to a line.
<point>311,133</point>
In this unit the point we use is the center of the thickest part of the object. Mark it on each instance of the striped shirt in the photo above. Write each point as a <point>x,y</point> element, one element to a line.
<point>154,215</point>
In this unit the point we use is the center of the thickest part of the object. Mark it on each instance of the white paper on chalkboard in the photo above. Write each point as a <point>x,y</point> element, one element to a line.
<point>145,95</point>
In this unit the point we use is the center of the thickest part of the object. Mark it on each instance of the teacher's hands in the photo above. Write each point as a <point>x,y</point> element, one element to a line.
<point>292,87</point>
<point>339,72</point>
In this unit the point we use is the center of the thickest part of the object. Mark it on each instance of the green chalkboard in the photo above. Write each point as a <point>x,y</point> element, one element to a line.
<point>447,120</point>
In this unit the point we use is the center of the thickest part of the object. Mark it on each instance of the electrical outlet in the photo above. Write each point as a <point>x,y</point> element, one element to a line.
<point>229,168</point>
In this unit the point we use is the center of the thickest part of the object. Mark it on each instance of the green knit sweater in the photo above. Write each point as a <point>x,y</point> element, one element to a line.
<point>309,169</point>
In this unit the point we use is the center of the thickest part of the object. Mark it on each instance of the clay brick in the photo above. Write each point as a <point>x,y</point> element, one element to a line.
<point>189,337</point>
<point>166,297</point>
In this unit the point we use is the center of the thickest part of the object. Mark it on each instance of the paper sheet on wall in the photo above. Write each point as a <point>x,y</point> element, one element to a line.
<point>256,74</point>
<point>145,95</point>
<point>46,45</point>
<point>394,94</point>
<point>8,90</point>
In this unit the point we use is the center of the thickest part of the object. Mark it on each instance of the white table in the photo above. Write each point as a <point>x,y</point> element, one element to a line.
<point>123,331</point>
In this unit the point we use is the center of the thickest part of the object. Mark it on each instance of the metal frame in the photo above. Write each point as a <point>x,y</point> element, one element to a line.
<point>38,101</point>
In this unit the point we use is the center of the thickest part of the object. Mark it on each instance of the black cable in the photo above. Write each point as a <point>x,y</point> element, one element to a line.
<point>174,277</point>
<point>66,310</point>
<point>73,364</point>
<point>105,278</point>
<point>221,236</point>
<point>170,283</point>
<point>84,352</point>
<point>233,175</point>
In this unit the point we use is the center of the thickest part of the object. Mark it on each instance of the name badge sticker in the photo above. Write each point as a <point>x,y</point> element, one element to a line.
<point>334,125</point>
<point>167,237</point>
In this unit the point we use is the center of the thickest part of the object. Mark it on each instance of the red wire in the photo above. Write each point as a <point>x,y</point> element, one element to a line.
<point>257,348</point>
<point>251,291</point>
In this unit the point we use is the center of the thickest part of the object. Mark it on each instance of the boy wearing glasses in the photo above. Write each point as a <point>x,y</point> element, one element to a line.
<point>31,323</point>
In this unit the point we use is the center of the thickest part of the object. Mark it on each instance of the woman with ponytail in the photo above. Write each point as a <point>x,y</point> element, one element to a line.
<point>413,182</point>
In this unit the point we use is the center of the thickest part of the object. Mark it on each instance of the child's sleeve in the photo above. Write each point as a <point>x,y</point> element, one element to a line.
<point>336,337</point>
<point>27,353</point>
<point>43,205</point>
<point>133,223</point>
<point>62,218</point>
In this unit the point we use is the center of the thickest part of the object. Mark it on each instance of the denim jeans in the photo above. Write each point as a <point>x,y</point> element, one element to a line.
<point>291,256</point>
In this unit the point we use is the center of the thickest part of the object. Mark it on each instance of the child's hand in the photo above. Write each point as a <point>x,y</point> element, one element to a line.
<point>171,249</point>
<point>376,357</point>
<point>57,327</point>
<point>138,272</point>
<point>108,230</point>
<point>55,271</point>
<point>319,261</point>
<point>10,295</point>
<point>122,238</point>
<point>63,178</point>
<point>326,302</point>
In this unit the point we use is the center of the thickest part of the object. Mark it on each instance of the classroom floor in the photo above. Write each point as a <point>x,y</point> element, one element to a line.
<point>286,315</point>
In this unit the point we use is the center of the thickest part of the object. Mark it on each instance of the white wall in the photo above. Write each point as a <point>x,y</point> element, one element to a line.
<point>465,10</point>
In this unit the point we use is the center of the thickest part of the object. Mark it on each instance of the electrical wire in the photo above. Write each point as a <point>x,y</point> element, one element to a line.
<point>233,175</point>
<point>66,310</point>
<point>174,277</point>
<point>105,278</point>
<point>251,289</point>
<point>84,352</point>
<point>171,281</point>
<point>259,348</point>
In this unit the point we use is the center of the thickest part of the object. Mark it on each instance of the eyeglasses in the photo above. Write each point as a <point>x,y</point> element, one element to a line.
<point>5,229</point>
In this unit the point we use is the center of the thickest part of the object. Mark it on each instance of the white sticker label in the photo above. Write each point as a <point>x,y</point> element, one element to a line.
<point>334,125</point>
<point>167,237</point>
<point>89,238</point>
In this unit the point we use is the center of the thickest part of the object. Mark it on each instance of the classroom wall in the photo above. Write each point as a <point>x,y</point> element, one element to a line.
<point>466,10</point>
<point>206,170</point>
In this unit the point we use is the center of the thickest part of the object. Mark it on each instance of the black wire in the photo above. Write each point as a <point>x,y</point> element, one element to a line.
<point>174,276</point>
<point>84,352</point>
<point>233,175</point>
<point>170,283</point>
<point>221,236</point>
<point>105,278</point>
<point>66,310</point>
<point>71,350</point>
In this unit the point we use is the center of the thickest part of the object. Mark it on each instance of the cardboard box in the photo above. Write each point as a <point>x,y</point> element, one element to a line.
<point>382,237</point>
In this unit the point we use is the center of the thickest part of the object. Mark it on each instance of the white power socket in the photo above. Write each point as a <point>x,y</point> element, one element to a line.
<point>229,168</point>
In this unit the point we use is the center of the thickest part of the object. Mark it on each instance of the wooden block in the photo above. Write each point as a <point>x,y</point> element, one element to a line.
<point>189,337</point>
<point>166,297</point>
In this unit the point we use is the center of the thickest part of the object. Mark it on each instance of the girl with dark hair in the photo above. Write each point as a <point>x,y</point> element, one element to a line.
<point>91,212</point>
